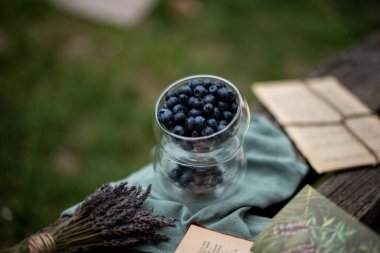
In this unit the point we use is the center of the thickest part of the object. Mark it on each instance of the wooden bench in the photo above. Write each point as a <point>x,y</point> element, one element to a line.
<point>358,190</point>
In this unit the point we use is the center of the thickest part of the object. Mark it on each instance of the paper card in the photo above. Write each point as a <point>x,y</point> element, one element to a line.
<point>368,131</point>
<point>337,95</point>
<point>202,240</point>
<point>291,102</point>
<point>330,147</point>
<point>312,223</point>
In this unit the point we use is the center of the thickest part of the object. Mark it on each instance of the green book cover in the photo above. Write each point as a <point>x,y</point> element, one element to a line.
<point>310,223</point>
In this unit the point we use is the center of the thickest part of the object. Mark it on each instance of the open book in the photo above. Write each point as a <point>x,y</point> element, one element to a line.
<point>329,125</point>
<point>308,223</point>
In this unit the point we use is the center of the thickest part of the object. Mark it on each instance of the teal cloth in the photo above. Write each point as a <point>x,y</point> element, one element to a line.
<point>272,176</point>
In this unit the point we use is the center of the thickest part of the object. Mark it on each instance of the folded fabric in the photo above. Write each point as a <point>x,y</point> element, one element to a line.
<point>273,174</point>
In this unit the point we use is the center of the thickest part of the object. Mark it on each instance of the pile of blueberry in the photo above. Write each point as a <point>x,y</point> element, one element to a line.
<point>197,179</point>
<point>198,108</point>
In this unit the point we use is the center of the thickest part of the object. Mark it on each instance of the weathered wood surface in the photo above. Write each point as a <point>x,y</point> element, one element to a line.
<point>358,190</point>
<point>359,70</point>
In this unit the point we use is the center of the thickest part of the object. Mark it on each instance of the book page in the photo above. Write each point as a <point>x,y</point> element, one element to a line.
<point>202,240</point>
<point>312,223</point>
<point>292,103</point>
<point>368,130</point>
<point>337,95</point>
<point>330,147</point>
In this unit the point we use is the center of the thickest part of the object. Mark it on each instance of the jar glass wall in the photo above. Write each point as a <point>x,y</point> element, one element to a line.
<point>205,168</point>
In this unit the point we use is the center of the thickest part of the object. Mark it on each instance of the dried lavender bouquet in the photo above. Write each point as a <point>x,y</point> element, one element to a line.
<point>110,217</point>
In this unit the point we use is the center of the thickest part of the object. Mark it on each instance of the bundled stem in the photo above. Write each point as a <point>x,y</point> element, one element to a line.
<point>110,217</point>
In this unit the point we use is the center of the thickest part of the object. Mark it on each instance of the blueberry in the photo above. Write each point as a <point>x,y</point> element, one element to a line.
<point>199,123</point>
<point>234,107</point>
<point>208,171</point>
<point>179,118</point>
<point>184,168</point>
<point>219,180</point>
<point>217,114</point>
<point>214,181</point>
<point>221,127</point>
<point>186,90</point>
<point>210,99</point>
<point>194,83</point>
<point>216,171</point>
<point>207,177</point>
<point>170,94</point>
<point>207,83</point>
<point>223,106</point>
<point>200,91</point>
<point>207,131</point>
<point>220,174</point>
<point>228,116</point>
<point>194,112</point>
<point>191,101</point>
<point>185,145</point>
<point>223,122</point>
<point>179,130</point>
<point>226,95</point>
<point>221,93</point>
<point>169,125</point>
<point>212,123</point>
<point>189,124</point>
<point>195,133</point>
<point>231,97</point>
<point>186,178</point>
<point>179,108</point>
<point>198,103</point>
<point>219,84</point>
<point>175,174</point>
<point>213,89</point>
<point>208,109</point>
<point>172,101</point>
<point>164,115</point>
<point>183,99</point>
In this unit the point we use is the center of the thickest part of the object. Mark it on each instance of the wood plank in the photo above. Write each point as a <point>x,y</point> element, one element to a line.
<point>357,192</point>
<point>359,70</point>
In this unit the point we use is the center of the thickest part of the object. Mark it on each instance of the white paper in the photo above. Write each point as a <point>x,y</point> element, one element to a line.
<point>337,95</point>
<point>292,103</point>
<point>368,130</point>
<point>330,148</point>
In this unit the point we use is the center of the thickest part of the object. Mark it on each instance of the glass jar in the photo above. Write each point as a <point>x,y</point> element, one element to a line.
<point>200,169</point>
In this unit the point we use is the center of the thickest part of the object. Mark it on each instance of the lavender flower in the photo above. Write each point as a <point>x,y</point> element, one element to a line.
<point>110,217</point>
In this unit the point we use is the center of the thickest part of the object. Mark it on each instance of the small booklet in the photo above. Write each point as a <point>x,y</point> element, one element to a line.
<point>201,240</point>
<point>308,223</point>
<point>331,127</point>
<point>312,223</point>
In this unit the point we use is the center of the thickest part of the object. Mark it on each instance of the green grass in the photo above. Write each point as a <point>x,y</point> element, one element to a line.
<point>76,98</point>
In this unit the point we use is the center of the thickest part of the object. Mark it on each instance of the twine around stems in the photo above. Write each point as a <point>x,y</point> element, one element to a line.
<point>41,243</point>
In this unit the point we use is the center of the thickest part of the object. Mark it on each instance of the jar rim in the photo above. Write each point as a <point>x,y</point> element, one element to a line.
<point>203,76</point>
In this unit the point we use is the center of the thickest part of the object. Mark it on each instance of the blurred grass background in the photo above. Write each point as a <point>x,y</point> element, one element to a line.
<point>76,98</point>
